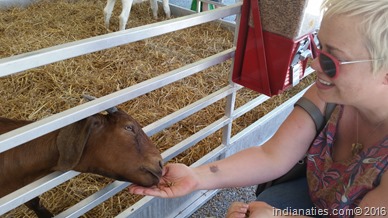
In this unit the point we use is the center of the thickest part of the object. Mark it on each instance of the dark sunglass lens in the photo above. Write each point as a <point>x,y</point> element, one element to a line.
<point>327,65</point>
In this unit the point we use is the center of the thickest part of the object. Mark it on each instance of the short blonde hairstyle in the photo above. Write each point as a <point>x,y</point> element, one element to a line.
<point>374,25</point>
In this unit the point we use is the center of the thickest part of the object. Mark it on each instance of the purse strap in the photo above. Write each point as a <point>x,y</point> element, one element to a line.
<point>299,169</point>
<point>319,119</point>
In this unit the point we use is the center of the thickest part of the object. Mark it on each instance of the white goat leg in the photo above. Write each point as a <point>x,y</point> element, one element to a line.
<point>126,10</point>
<point>154,7</point>
<point>166,8</point>
<point>127,5</point>
<point>108,11</point>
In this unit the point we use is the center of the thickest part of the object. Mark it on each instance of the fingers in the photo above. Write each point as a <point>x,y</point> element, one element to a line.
<point>237,210</point>
<point>135,189</point>
<point>177,180</point>
<point>153,191</point>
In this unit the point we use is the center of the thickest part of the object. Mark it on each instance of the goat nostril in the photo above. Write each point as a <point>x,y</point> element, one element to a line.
<point>161,164</point>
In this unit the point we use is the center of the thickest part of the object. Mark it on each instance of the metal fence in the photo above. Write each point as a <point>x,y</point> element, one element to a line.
<point>148,206</point>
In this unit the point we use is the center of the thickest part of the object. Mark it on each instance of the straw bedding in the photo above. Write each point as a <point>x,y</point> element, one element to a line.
<point>50,89</point>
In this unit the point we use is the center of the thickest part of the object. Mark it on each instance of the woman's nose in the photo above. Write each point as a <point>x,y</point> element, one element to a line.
<point>315,64</point>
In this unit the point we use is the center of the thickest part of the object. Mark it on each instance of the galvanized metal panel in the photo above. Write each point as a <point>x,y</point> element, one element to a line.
<point>41,127</point>
<point>148,206</point>
<point>18,63</point>
<point>34,189</point>
<point>254,135</point>
<point>21,135</point>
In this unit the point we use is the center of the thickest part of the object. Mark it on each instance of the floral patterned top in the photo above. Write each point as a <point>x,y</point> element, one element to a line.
<point>337,185</point>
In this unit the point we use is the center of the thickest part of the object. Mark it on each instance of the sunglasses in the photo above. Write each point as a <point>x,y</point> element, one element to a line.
<point>329,64</point>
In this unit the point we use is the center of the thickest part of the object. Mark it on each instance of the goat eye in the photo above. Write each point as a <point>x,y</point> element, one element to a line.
<point>129,128</point>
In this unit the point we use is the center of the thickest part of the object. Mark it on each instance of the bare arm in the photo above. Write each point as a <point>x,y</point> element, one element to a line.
<point>249,167</point>
<point>263,163</point>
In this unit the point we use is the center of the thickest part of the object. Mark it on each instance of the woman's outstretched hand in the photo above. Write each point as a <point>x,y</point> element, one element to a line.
<point>177,180</point>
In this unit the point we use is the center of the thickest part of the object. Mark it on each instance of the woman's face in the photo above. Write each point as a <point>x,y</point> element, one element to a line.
<point>340,37</point>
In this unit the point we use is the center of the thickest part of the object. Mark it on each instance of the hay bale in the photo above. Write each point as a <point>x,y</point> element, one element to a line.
<point>56,87</point>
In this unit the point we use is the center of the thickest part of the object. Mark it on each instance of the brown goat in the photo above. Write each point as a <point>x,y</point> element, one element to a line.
<point>112,145</point>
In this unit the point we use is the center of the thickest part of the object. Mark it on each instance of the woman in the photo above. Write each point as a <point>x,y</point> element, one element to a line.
<point>348,160</point>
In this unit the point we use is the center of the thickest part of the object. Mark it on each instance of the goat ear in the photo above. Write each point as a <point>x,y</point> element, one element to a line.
<point>71,142</point>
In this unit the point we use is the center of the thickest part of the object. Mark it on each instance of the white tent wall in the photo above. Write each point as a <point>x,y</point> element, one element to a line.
<point>255,134</point>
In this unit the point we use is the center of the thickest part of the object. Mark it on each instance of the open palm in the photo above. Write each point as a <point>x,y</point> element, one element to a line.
<point>177,180</point>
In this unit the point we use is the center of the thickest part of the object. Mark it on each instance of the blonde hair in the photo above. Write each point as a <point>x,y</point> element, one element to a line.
<point>374,26</point>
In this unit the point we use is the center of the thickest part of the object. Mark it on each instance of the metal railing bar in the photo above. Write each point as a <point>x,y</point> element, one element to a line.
<point>98,197</point>
<point>147,199</point>
<point>28,192</point>
<point>117,186</point>
<point>181,114</point>
<point>53,54</point>
<point>25,61</point>
<point>193,139</point>
<point>94,200</point>
<point>34,189</point>
<point>249,106</point>
<point>31,131</point>
<point>26,195</point>
<point>211,2</point>
<point>133,209</point>
<point>268,116</point>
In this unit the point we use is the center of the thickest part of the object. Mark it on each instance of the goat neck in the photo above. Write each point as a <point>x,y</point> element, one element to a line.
<point>27,162</point>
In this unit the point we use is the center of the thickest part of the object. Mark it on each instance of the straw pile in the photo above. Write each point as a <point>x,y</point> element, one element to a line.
<point>50,89</point>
